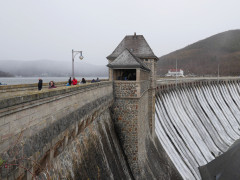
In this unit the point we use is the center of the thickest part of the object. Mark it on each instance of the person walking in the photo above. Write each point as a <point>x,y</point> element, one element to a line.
<point>40,84</point>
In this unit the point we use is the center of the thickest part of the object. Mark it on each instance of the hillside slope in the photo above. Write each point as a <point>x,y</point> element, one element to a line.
<point>5,74</point>
<point>203,57</point>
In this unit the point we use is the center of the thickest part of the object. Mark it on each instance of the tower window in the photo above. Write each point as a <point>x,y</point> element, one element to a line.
<point>125,74</point>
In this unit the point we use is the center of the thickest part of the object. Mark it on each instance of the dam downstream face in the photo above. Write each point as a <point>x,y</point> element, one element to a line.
<point>197,124</point>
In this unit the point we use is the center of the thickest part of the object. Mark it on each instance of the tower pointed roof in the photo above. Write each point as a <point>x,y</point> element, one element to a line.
<point>127,60</point>
<point>136,44</point>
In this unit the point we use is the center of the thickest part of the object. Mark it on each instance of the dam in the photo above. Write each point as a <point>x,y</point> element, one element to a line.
<point>198,123</point>
<point>131,126</point>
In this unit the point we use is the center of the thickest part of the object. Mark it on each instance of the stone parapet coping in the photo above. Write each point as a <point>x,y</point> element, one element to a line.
<point>36,95</point>
<point>128,82</point>
<point>17,86</point>
<point>35,85</point>
<point>198,79</point>
<point>171,84</point>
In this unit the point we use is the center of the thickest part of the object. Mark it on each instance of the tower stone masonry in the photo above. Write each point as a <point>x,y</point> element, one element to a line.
<point>132,68</point>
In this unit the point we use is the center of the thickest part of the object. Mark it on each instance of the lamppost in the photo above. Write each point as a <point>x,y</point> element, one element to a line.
<point>74,53</point>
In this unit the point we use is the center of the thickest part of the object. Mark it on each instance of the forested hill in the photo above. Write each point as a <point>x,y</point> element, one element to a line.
<point>5,74</point>
<point>203,57</point>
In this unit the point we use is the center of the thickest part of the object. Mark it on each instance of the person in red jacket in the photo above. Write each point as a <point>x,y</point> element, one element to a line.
<point>74,81</point>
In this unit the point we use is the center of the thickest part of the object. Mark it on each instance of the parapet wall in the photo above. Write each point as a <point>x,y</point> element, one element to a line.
<point>173,84</point>
<point>39,125</point>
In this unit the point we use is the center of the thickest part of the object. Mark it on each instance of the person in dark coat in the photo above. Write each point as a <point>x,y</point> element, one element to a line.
<point>83,81</point>
<point>40,84</point>
<point>70,81</point>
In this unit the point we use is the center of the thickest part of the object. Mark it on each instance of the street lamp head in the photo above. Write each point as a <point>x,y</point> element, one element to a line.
<point>81,57</point>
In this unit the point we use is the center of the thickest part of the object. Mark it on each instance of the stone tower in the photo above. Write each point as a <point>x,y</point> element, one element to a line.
<point>132,68</point>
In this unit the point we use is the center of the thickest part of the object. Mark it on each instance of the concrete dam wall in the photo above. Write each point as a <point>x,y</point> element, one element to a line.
<point>197,122</point>
<point>69,133</point>
<point>75,132</point>
<point>37,126</point>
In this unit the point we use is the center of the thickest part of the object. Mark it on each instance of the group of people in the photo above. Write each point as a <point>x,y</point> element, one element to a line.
<point>74,81</point>
<point>51,84</point>
<point>93,81</point>
<point>70,82</point>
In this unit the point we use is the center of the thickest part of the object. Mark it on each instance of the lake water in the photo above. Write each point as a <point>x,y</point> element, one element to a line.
<point>31,80</point>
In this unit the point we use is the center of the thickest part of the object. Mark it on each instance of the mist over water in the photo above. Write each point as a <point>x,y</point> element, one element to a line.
<point>48,68</point>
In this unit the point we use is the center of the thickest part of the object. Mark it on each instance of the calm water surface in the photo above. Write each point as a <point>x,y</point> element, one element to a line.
<point>31,80</point>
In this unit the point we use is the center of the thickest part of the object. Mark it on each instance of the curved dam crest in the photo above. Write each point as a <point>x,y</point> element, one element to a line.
<point>197,124</point>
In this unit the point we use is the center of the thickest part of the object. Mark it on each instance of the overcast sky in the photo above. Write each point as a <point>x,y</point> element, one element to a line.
<point>50,29</point>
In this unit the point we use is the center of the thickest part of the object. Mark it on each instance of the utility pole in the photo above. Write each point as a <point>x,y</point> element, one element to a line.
<point>218,73</point>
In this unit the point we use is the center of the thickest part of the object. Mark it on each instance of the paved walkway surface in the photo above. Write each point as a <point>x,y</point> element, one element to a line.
<point>17,90</point>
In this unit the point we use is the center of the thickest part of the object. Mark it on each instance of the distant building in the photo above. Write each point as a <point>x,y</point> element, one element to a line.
<point>175,72</point>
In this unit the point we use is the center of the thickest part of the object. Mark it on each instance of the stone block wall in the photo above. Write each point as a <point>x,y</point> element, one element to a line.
<point>152,64</point>
<point>131,119</point>
<point>125,113</point>
<point>144,75</point>
<point>126,89</point>
<point>143,123</point>
<point>145,85</point>
<point>34,124</point>
<point>130,89</point>
<point>95,153</point>
<point>151,110</point>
